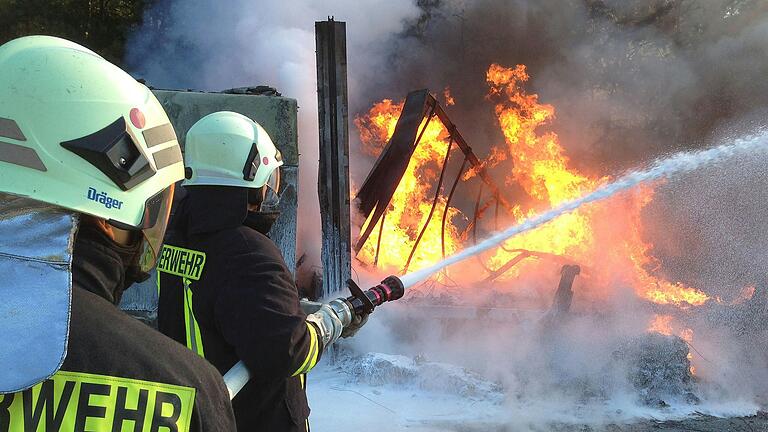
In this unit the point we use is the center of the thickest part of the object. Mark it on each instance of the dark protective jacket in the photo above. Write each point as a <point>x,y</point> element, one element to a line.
<point>227,294</point>
<point>118,374</point>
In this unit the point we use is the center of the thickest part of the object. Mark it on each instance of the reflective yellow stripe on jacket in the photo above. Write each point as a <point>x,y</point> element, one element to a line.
<point>76,401</point>
<point>187,264</point>
<point>313,354</point>
<point>194,338</point>
<point>303,379</point>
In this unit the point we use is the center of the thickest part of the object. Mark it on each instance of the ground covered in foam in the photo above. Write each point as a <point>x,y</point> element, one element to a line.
<point>384,392</point>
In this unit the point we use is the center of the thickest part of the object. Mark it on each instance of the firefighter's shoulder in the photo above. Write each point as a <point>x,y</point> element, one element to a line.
<point>235,242</point>
<point>123,359</point>
<point>251,240</point>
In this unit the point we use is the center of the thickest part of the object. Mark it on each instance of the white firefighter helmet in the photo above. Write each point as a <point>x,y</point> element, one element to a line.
<point>229,149</point>
<point>78,132</point>
<point>77,135</point>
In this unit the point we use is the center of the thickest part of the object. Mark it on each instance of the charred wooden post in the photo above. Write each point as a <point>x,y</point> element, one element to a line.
<point>333,173</point>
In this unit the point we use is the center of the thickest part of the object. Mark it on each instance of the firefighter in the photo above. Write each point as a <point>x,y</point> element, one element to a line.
<point>88,162</point>
<point>225,290</point>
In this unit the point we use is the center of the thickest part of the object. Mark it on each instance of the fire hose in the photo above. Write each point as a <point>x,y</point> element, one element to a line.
<point>360,303</point>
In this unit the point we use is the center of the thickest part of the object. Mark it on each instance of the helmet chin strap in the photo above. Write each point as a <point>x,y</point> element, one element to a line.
<point>118,235</point>
<point>256,198</point>
<point>123,237</point>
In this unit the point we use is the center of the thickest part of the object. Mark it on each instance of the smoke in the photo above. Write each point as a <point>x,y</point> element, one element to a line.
<point>213,45</point>
<point>717,213</point>
<point>630,79</point>
<point>718,216</point>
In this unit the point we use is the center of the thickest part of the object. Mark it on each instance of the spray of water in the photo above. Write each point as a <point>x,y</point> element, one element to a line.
<point>670,167</point>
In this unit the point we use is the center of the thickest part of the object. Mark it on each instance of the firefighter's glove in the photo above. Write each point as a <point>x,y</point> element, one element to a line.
<point>357,322</point>
<point>328,323</point>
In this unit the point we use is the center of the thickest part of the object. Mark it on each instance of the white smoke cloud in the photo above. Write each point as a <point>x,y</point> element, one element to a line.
<point>215,45</point>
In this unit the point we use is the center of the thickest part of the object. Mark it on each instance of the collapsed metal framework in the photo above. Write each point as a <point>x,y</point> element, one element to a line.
<point>375,194</point>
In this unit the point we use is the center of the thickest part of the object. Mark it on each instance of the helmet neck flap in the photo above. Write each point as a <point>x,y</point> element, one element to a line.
<point>36,260</point>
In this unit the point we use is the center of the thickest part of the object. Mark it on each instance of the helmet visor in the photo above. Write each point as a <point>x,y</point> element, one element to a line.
<point>272,192</point>
<point>157,209</point>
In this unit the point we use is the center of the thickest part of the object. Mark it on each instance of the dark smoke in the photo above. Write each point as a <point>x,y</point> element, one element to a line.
<point>630,79</point>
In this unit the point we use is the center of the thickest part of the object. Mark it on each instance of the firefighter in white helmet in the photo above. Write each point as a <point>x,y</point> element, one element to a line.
<point>88,162</point>
<point>238,301</point>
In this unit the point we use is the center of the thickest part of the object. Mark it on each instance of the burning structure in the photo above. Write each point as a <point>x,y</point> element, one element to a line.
<point>413,220</point>
<point>539,177</point>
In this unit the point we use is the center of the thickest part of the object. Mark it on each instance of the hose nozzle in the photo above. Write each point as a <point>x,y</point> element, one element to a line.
<point>363,302</point>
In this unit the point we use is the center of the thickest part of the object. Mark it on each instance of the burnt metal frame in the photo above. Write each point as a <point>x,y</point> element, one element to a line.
<point>432,209</point>
<point>377,190</point>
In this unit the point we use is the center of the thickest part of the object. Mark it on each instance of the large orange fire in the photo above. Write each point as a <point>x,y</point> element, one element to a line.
<point>605,238</point>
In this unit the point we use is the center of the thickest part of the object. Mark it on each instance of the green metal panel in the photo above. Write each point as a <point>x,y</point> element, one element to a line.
<point>276,114</point>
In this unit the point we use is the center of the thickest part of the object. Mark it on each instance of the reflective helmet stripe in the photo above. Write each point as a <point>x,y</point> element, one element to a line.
<point>20,155</point>
<point>159,135</point>
<point>9,129</point>
<point>167,157</point>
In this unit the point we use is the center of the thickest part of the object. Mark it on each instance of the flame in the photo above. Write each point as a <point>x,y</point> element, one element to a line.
<point>378,126</point>
<point>448,97</point>
<point>607,235</point>
<point>411,203</point>
<point>745,295</point>
<point>539,166</point>
<point>687,336</point>
<point>661,324</point>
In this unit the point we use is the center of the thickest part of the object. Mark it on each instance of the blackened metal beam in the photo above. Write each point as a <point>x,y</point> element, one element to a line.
<point>376,192</point>
<point>333,173</point>
<point>523,254</point>
<point>561,304</point>
<point>382,180</point>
